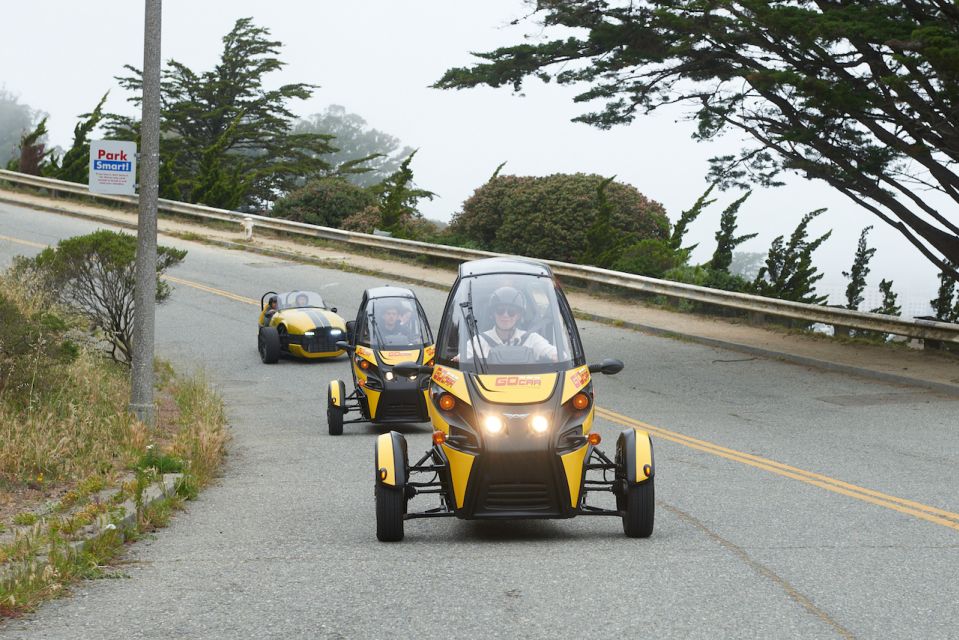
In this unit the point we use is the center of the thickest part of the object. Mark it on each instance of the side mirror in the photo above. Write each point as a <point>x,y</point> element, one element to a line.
<point>408,369</point>
<point>608,367</point>
<point>333,309</point>
<point>350,329</point>
<point>345,346</point>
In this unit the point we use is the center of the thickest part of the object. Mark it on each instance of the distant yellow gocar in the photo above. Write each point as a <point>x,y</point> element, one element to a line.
<point>298,323</point>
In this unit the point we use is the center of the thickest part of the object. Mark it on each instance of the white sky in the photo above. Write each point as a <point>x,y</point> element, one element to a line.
<point>377,58</point>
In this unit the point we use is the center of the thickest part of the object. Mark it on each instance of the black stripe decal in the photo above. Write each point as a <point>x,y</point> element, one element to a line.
<point>319,318</point>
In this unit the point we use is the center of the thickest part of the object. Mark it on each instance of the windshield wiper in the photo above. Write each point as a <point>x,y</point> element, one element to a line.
<point>377,336</point>
<point>467,309</point>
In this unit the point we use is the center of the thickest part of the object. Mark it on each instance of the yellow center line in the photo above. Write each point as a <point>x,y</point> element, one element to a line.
<point>24,242</point>
<point>909,507</point>
<point>213,290</point>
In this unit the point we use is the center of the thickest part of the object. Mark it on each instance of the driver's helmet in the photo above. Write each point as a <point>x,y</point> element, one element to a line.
<point>272,301</point>
<point>507,297</point>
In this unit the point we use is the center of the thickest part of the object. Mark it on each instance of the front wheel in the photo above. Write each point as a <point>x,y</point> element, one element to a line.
<point>334,411</point>
<point>640,508</point>
<point>268,344</point>
<point>390,506</point>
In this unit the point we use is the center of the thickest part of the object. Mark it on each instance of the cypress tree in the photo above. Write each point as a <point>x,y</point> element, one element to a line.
<point>857,274</point>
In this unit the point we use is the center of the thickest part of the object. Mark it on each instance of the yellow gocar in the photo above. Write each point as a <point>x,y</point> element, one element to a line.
<point>510,397</point>
<point>300,324</point>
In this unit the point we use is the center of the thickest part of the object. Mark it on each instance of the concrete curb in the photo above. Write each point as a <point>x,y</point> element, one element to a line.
<point>713,342</point>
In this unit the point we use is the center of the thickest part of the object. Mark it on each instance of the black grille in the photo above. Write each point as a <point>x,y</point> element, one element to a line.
<point>518,497</point>
<point>320,342</point>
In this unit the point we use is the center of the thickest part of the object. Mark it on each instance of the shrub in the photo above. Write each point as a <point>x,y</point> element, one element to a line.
<point>325,202</point>
<point>649,257</point>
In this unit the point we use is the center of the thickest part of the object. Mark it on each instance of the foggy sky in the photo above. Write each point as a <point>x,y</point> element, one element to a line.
<point>378,58</point>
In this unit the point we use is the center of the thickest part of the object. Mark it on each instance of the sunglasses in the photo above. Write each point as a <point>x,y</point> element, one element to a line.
<point>510,311</point>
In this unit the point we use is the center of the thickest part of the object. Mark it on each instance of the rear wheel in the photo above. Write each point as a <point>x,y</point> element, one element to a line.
<point>390,507</point>
<point>334,413</point>
<point>268,344</point>
<point>640,503</point>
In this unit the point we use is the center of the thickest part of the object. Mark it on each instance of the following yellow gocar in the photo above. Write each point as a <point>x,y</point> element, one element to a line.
<point>510,398</point>
<point>300,324</point>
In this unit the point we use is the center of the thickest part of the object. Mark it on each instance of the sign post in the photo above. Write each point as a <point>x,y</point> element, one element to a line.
<point>144,296</point>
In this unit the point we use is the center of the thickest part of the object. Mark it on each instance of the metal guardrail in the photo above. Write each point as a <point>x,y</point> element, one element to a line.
<point>842,319</point>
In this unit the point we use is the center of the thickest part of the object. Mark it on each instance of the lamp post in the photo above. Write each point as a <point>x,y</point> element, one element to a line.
<point>144,297</point>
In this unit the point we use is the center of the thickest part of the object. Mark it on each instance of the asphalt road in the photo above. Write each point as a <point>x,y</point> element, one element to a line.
<point>284,545</point>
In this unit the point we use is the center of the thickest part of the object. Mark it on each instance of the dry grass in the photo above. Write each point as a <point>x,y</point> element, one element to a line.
<point>71,454</point>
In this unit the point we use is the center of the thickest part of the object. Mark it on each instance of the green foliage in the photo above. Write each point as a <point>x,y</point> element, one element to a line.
<point>603,245</point>
<point>398,197</point>
<point>726,242</point>
<point>159,462</point>
<point>945,309</point>
<point>362,155</point>
<point>324,201</point>
<point>889,306</point>
<point>33,152</point>
<point>548,217</point>
<point>703,276</point>
<point>226,140</point>
<point>74,166</point>
<point>687,218</point>
<point>649,257</point>
<point>33,345</point>
<point>95,274</point>
<point>861,95</point>
<point>15,119</point>
<point>789,273</point>
<point>857,274</point>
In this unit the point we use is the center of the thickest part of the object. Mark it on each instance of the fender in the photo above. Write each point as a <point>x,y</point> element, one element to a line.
<point>390,459</point>
<point>636,448</point>
<point>336,393</point>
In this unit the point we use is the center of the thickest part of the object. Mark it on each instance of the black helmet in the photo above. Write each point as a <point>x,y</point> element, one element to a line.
<point>508,296</point>
<point>272,300</point>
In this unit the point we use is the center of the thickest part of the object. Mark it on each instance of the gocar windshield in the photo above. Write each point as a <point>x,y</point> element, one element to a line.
<point>509,323</point>
<point>397,323</point>
<point>300,299</point>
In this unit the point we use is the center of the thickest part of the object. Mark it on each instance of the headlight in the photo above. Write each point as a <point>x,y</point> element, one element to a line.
<point>493,424</point>
<point>308,333</point>
<point>539,424</point>
<point>388,375</point>
<point>335,332</point>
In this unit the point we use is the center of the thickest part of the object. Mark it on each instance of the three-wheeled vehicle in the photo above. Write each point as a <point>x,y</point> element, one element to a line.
<point>298,323</point>
<point>390,328</point>
<point>511,400</point>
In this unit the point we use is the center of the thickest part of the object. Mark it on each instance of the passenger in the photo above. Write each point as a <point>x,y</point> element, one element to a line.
<point>271,309</point>
<point>302,300</point>
<point>507,305</point>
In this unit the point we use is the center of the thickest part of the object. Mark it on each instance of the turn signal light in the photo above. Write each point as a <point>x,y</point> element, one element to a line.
<point>594,438</point>
<point>447,402</point>
<point>647,470</point>
<point>364,364</point>
<point>581,401</point>
<point>383,473</point>
<point>439,437</point>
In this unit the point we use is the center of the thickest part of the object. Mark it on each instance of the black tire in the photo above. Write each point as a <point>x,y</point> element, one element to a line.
<point>334,414</point>
<point>268,344</point>
<point>640,510</point>
<point>390,507</point>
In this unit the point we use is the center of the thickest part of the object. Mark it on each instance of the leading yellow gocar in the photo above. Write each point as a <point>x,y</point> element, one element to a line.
<point>510,398</point>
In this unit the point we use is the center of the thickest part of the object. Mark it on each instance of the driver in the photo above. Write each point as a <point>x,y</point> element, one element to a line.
<point>507,306</point>
<point>270,311</point>
<point>390,318</point>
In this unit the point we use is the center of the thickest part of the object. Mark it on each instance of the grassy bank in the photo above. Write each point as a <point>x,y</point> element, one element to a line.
<point>73,460</point>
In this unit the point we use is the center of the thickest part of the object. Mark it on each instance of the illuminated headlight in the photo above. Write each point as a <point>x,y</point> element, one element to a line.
<point>389,375</point>
<point>335,332</point>
<point>539,424</point>
<point>493,424</point>
<point>308,333</point>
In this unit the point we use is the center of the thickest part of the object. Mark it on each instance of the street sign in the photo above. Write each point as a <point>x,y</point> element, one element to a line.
<point>113,166</point>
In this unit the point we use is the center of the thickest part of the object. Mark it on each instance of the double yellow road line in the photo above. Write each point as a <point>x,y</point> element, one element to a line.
<point>908,507</point>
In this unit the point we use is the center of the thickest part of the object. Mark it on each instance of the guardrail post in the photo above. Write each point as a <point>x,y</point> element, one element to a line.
<point>839,330</point>
<point>757,317</point>
<point>247,228</point>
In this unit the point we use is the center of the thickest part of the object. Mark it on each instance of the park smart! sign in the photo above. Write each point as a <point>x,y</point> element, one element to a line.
<point>113,166</point>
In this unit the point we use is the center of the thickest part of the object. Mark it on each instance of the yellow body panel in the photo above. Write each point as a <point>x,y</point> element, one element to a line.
<point>298,351</point>
<point>335,394</point>
<point>644,454</point>
<point>366,353</point>
<point>460,465</point>
<point>453,381</point>
<point>517,389</point>
<point>588,422</point>
<point>428,352</point>
<point>573,465</point>
<point>395,357</point>
<point>372,399</point>
<point>574,380</point>
<point>384,458</point>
